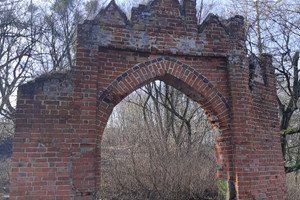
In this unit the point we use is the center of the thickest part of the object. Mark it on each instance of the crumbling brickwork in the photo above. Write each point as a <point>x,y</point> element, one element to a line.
<point>61,117</point>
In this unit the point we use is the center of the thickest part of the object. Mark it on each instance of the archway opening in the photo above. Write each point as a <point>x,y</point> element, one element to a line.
<point>159,144</point>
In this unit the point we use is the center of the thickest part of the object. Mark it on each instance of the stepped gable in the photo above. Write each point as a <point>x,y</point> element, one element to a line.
<point>156,14</point>
<point>161,15</point>
<point>112,15</point>
<point>161,26</point>
<point>211,22</point>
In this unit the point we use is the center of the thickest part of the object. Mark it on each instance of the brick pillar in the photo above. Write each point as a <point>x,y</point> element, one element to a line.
<point>42,161</point>
<point>85,77</point>
<point>258,163</point>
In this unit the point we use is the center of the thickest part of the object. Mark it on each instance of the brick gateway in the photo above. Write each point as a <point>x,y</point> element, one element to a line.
<point>60,117</point>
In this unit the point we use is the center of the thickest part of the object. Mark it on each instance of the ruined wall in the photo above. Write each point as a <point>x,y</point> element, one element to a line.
<point>61,117</point>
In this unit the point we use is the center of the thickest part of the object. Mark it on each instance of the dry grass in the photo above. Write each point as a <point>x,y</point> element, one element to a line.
<point>293,186</point>
<point>137,169</point>
<point>6,130</point>
<point>5,164</point>
<point>129,174</point>
<point>150,170</point>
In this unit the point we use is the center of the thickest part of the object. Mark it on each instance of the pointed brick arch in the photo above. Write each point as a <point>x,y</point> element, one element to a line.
<point>201,89</point>
<point>60,117</point>
<point>184,78</point>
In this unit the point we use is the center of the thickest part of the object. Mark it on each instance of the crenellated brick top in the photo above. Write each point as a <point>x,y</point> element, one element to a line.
<point>161,27</point>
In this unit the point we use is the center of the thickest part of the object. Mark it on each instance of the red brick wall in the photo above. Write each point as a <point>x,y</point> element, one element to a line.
<point>61,117</point>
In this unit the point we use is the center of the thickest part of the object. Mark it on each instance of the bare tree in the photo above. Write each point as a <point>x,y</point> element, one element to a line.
<point>18,38</point>
<point>60,19</point>
<point>273,27</point>
<point>34,40</point>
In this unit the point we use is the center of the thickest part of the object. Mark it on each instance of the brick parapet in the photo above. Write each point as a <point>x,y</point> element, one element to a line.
<point>154,29</point>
